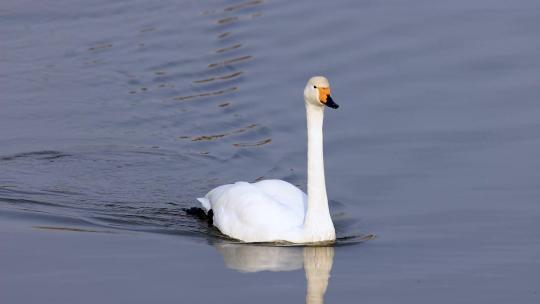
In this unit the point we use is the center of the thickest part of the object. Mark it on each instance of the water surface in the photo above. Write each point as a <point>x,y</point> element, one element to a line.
<point>115,115</point>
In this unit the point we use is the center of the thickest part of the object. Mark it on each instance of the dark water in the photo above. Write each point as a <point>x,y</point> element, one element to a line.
<point>115,115</point>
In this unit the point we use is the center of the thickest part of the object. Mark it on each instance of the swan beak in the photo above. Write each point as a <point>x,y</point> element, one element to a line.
<point>330,102</point>
<point>326,99</point>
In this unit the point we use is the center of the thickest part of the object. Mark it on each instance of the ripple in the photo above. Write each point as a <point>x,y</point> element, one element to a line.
<point>216,136</point>
<point>230,61</point>
<point>229,48</point>
<point>224,35</point>
<point>148,29</point>
<point>243,5</point>
<point>100,47</point>
<point>340,241</point>
<point>206,94</point>
<point>228,20</point>
<point>223,77</point>
<point>43,155</point>
<point>253,144</point>
<point>72,229</point>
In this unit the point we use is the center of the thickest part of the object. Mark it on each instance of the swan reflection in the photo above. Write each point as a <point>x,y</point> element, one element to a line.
<point>317,263</point>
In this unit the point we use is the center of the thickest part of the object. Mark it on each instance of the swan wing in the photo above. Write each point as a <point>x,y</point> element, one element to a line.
<point>253,213</point>
<point>285,193</point>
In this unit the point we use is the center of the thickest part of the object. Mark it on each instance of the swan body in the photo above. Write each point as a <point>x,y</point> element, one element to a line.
<point>269,210</point>
<point>275,210</point>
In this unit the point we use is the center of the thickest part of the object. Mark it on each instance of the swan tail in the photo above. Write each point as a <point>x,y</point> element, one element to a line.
<point>205,203</point>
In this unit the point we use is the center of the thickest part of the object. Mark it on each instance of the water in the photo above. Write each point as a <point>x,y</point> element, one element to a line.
<point>114,116</point>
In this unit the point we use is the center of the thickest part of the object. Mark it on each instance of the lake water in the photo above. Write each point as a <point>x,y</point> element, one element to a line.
<point>116,115</point>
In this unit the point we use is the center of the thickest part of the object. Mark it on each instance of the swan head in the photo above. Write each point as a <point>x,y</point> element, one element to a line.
<point>317,93</point>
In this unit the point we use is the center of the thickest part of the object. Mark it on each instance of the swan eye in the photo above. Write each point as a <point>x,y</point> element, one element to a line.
<point>314,87</point>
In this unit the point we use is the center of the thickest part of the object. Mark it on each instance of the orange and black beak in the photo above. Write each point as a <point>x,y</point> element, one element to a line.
<point>326,99</point>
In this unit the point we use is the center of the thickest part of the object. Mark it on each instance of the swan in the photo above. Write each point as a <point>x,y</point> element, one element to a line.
<point>275,210</point>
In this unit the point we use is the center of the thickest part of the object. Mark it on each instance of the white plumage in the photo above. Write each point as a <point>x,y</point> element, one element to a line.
<point>275,210</point>
<point>265,211</point>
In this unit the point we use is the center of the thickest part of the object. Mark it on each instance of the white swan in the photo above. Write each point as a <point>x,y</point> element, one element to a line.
<point>275,210</point>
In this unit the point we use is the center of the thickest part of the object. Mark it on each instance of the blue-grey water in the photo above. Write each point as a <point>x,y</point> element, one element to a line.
<point>116,115</point>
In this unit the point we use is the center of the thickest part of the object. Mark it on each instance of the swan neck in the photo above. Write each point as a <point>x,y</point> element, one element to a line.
<point>318,214</point>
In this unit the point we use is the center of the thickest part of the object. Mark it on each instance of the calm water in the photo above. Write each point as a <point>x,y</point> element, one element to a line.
<point>115,115</point>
